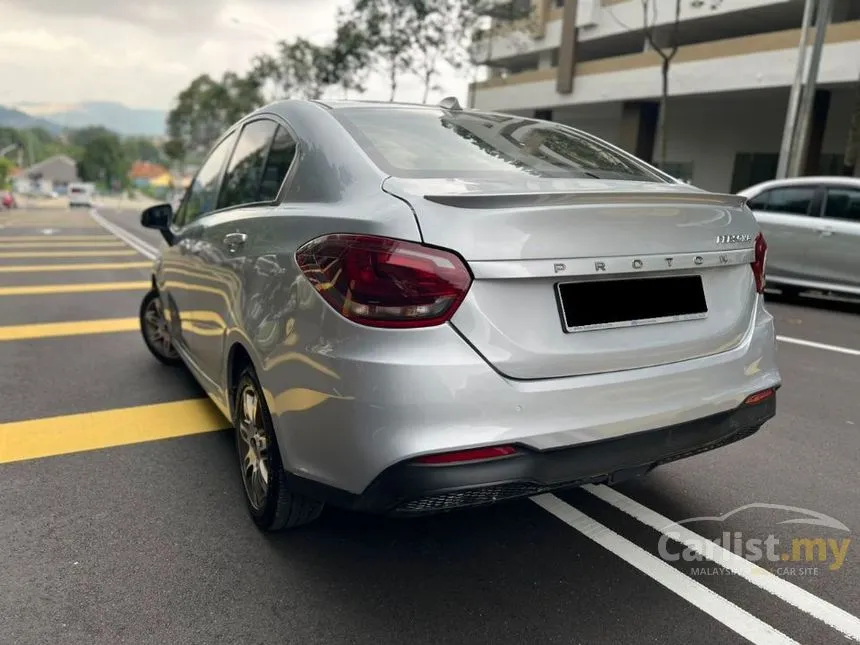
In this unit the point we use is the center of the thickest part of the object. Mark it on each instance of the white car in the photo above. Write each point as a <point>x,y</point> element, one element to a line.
<point>81,195</point>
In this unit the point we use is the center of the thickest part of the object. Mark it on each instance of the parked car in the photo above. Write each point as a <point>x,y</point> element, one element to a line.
<point>412,309</point>
<point>81,194</point>
<point>9,200</point>
<point>812,225</point>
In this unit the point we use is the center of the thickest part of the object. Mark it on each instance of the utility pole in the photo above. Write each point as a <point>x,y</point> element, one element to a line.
<point>798,151</point>
<point>794,96</point>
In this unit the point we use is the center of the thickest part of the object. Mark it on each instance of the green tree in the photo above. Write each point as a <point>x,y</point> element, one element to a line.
<point>204,109</point>
<point>143,149</point>
<point>103,159</point>
<point>6,166</point>
<point>388,32</point>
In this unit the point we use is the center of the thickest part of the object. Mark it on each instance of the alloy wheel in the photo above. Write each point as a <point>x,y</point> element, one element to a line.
<point>253,447</point>
<point>155,328</point>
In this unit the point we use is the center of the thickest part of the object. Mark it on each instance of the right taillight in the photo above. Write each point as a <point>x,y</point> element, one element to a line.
<point>759,262</point>
<point>383,282</point>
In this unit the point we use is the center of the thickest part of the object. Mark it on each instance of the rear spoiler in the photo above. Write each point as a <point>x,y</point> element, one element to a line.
<point>523,200</point>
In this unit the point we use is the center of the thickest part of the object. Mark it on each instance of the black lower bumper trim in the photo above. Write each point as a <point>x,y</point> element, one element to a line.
<point>411,488</point>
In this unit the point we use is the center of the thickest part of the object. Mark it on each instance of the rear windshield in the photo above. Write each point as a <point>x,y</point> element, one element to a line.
<point>420,142</point>
<point>77,190</point>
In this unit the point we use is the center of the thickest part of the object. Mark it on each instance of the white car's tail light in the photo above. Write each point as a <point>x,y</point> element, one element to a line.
<point>758,264</point>
<point>382,282</point>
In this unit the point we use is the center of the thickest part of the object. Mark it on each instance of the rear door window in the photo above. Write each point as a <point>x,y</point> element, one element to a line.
<point>281,156</point>
<point>242,179</point>
<point>842,203</point>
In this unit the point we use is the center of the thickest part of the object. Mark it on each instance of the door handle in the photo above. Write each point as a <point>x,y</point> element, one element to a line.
<point>234,240</point>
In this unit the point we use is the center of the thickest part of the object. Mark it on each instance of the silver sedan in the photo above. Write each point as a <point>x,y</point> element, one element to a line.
<point>410,309</point>
<point>813,227</point>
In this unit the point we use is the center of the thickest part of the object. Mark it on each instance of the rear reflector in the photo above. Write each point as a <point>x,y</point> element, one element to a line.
<point>758,397</point>
<point>467,455</point>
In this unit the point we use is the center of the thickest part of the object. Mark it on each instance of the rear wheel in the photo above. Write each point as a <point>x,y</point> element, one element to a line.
<point>156,334</point>
<point>270,502</point>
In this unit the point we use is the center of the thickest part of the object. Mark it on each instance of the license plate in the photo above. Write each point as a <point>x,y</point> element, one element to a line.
<point>630,302</point>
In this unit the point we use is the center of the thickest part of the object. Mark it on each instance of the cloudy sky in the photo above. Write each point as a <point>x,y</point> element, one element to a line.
<point>143,52</point>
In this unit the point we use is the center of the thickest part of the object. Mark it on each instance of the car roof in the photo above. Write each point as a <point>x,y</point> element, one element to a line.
<point>833,180</point>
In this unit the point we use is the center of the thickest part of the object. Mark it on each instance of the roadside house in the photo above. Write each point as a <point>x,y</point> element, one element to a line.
<point>52,174</point>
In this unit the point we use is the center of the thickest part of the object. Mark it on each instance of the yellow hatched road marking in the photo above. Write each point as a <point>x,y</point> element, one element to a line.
<point>79,328</point>
<point>54,244</point>
<point>41,289</point>
<point>53,238</point>
<point>62,435</point>
<point>63,254</point>
<point>91,266</point>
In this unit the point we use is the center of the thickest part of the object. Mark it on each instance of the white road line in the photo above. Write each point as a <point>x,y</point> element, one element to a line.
<point>837,618</point>
<point>144,248</point>
<point>729,614</point>
<point>824,346</point>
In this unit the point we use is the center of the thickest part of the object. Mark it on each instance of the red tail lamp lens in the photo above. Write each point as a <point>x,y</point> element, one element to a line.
<point>382,282</point>
<point>460,456</point>
<point>758,264</point>
<point>758,397</point>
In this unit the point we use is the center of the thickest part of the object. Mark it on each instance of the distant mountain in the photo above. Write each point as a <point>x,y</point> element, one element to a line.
<point>113,116</point>
<point>11,118</point>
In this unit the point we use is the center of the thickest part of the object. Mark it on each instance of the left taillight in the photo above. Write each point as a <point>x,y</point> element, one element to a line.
<point>759,262</point>
<point>383,282</point>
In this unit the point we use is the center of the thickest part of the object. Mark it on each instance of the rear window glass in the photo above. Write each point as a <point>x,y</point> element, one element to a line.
<point>77,190</point>
<point>409,142</point>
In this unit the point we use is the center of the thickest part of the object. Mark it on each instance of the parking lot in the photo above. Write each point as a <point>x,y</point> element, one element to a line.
<point>122,517</point>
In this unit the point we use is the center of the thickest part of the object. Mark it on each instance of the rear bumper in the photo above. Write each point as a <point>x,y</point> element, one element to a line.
<point>350,413</point>
<point>410,488</point>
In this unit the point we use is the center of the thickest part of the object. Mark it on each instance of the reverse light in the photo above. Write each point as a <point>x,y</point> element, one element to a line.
<point>475,454</point>
<point>383,282</point>
<point>758,397</point>
<point>758,264</point>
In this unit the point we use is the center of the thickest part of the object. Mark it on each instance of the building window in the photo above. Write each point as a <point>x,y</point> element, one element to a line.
<point>752,168</point>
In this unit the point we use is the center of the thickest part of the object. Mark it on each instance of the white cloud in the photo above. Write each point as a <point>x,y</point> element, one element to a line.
<point>143,53</point>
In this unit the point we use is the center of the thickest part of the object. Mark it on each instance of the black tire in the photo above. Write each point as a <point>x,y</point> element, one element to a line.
<point>790,293</point>
<point>278,508</point>
<point>171,357</point>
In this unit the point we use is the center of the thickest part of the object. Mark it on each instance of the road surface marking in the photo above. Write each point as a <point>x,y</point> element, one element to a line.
<point>62,435</point>
<point>55,238</point>
<point>53,330</point>
<point>829,614</point>
<point>145,248</point>
<point>59,244</point>
<point>92,266</point>
<point>64,254</point>
<point>43,289</point>
<point>809,343</point>
<point>728,613</point>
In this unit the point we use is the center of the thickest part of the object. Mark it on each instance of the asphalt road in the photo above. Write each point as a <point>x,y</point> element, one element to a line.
<point>122,518</point>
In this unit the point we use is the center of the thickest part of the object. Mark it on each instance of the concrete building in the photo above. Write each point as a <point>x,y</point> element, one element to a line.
<point>587,63</point>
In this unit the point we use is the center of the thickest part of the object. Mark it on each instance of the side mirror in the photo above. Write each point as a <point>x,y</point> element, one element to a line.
<point>159,218</point>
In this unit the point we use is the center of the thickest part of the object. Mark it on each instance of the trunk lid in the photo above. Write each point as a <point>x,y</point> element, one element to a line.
<point>583,276</point>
